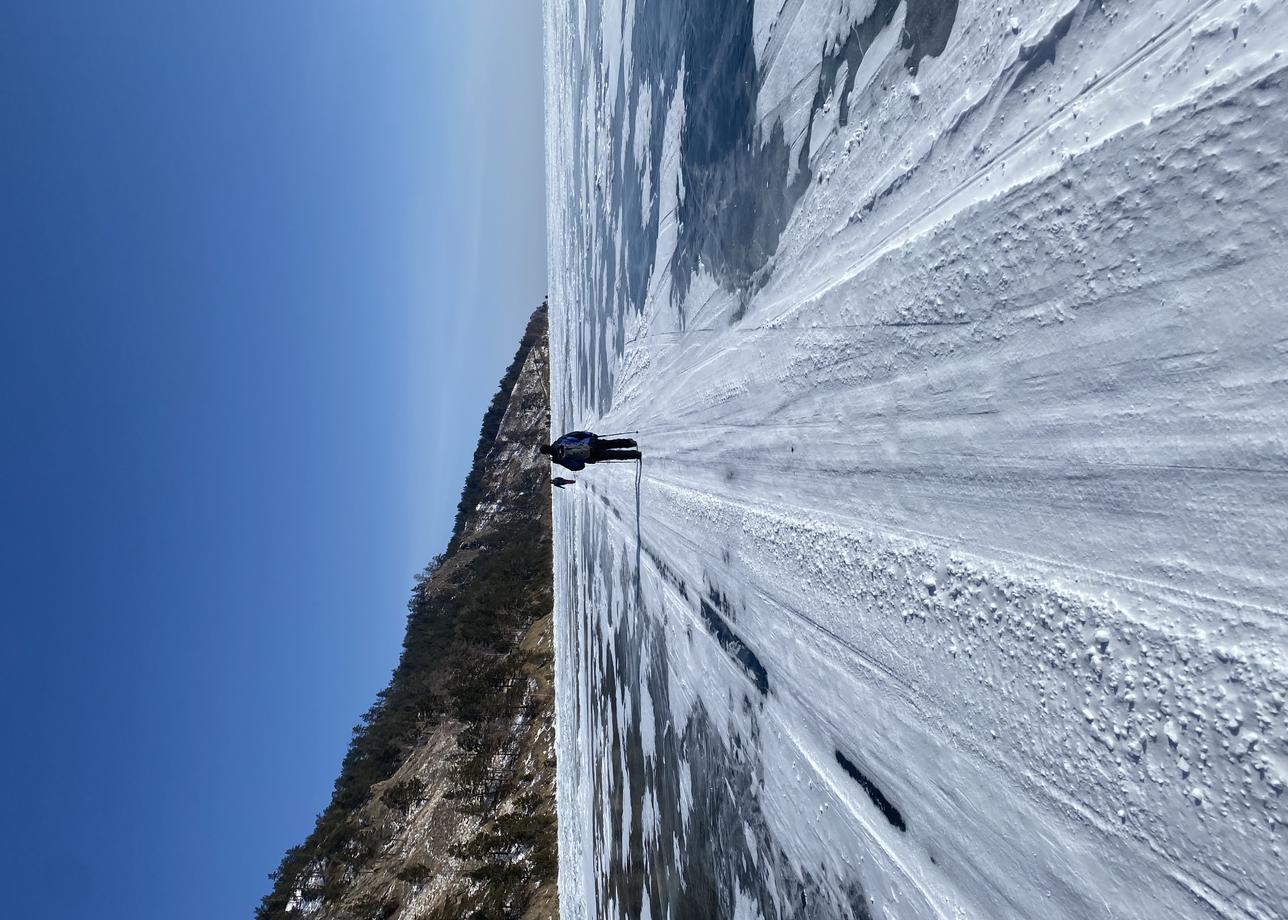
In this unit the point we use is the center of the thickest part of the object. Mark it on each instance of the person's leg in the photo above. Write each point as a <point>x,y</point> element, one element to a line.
<point>611,443</point>
<point>618,455</point>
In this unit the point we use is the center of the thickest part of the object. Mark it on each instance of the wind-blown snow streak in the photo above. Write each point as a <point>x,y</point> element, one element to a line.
<point>965,492</point>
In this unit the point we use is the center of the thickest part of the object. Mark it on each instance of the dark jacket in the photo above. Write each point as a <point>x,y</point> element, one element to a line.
<point>573,449</point>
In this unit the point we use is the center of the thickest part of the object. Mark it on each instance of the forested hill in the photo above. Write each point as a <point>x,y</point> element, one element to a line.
<point>444,806</point>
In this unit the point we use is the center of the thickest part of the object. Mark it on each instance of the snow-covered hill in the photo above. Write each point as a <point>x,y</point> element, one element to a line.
<point>954,582</point>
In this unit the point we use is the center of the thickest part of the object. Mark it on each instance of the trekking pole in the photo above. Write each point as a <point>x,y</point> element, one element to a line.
<point>616,433</point>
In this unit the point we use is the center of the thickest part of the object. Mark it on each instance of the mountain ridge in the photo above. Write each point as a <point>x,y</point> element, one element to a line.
<point>445,800</point>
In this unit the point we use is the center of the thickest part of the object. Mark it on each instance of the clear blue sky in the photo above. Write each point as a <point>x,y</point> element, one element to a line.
<point>263,264</point>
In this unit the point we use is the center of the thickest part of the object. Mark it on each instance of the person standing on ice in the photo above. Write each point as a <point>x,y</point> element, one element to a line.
<point>577,448</point>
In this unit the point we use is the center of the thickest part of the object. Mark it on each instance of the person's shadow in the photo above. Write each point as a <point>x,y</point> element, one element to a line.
<point>639,537</point>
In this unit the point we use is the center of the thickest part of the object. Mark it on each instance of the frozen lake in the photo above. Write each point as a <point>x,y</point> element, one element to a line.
<point>954,581</point>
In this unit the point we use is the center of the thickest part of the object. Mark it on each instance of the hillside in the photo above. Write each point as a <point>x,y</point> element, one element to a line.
<point>444,806</point>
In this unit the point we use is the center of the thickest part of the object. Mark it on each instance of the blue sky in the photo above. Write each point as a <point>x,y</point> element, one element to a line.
<point>263,264</point>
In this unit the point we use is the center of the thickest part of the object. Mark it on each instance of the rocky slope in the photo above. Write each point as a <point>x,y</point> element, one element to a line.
<point>445,802</point>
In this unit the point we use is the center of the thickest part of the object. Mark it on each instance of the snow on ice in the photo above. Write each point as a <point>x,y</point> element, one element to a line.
<point>954,580</point>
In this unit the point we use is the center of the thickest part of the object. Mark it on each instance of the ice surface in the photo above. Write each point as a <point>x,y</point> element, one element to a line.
<point>954,582</point>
